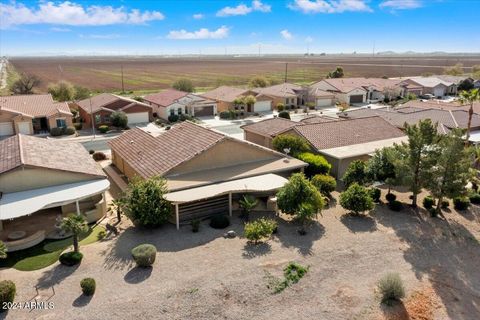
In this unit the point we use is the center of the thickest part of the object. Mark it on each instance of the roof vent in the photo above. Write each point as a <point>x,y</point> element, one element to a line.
<point>131,141</point>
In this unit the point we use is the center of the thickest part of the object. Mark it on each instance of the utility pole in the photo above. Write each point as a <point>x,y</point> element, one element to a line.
<point>286,72</point>
<point>123,88</point>
<point>374,48</point>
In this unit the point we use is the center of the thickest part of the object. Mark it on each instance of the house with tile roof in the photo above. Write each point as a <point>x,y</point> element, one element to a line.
<point>99,108</point>
<point>32,114</point>
<point>225,96</point>
<point>430,85</point>
<point>42,180</point>
<point>288,94</point>
<point>206,171</point>
<point>174,102</point>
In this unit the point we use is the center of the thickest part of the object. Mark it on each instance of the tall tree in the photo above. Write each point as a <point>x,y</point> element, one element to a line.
<point>291,144</point>
<point>452,168</point>
<point>415,156</point>
<point>381,168</point>
<point>258,82</point>
<point>297,192</point>
<point>75,224</point>
<point>25,84</point>
<point>62,91</point>
<point>356,173</point>
<point>469,97</point>
<point>185,85</point>
<point>337,73</point>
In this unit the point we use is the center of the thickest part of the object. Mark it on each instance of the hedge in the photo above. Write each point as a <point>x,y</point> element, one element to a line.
<point>316,164</point>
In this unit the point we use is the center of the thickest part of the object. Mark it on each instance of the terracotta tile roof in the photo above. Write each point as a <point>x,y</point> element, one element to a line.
<point>280,90</point>
<point>452,106</point>
<point>349,132</point>
<point>165,98</point>
<point>224,93</point>
<point>270,127</point>
<point>24,150</point>
<point>429,82</point>
<point>348,84</point>
<point>152,156</point>
<point>105,100</point>
<point>33,105</point>
<point>319,119</point>
<point>318,93</point>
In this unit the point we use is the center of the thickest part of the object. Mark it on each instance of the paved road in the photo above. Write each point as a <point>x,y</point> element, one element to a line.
<point>96,145</point>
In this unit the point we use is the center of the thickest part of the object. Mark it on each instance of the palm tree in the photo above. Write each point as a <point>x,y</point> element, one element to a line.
<point>75,224</point>
<point>3,250</point>
<point>247,204</point>
<point>118,204</point>
<point>469,97</point>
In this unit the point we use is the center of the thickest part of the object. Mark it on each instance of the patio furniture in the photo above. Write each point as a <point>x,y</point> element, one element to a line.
<point>16,235</point>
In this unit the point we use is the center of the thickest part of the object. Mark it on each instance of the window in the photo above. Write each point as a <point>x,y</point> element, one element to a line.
<point>172,112</point>
<point>179,111</point>
<point>98,118</point>
<point>61,123</point>
<point>106,118</point>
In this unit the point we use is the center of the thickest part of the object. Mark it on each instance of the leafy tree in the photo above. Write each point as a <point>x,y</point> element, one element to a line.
<point>3,250</point>
<point>415,156</point>
<point>259,229</point>
<point>356,173</point>
<point>247,203</point>
<point>294,144</point>
<point>119,119</point>
<point>25,84</point>
<point>183,84</point>
<point>317,164</point>
<point>381,167</point>
<point>324,183</point>
<point>281,107</point>
<point>452,169</point>
<point>145,202</point>
<point>250,100</point>
<point>298,191</point>
<point>75,224</point>
<point>455,70</point>
<point>465,85</point>
<point>284,115</point>
<point>258,82</point>
<point>118,204</point>
<point>62,91</point>
<point>337,73</point>
<point>356,199</point>
<point>81,93</point>
<point>239,101</point>
<point>305,215</point>
<point>469,97</point>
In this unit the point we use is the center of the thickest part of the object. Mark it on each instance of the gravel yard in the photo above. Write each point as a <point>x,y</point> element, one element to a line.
<point>204,276</point>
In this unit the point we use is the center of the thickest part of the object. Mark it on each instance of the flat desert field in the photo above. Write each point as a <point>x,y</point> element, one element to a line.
<point>153,73</point>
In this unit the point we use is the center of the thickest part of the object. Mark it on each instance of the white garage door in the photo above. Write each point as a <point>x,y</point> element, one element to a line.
<point>139,117</point>
<point>6,128</point>
<point>324,102</point>
<point>262,106</point>
<point>439,92</point>
<point>24,127</point>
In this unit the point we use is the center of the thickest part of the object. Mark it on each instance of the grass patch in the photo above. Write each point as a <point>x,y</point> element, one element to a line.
<point>292,273</point>
<point>46,253</point>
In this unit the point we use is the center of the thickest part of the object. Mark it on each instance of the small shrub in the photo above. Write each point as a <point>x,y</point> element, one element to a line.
<point>103,128</point>
<point>99,156</point>
<point>119,119</point>
<point>56,132</point>
<point>224,115</point>
<point>356,199</point>
<point>475,198</point>
<point>219,221</point>
<point>375,194</point>
<point>391,288</point>
<point>173,118</point>
<point>71,258</point>
<point>324,183</point>
<point>195,225</point>
<point>78,126</point>
<point>461,203</point>
<point>7,293</point>
<point>316,164</point>
<point>91,151</point>
<point>390,197</point>
<point>284,114</point>
<point>433,212</point>
<point>88,286</point>
<point>70,130</point>
<point>445,204</point>
<point>293,272</point>
<point>144,255</point>
<point>259,229</point>
<point>428,202</point>
<point>395,205</point>
<point>101,234</point>
<point>280,107</point>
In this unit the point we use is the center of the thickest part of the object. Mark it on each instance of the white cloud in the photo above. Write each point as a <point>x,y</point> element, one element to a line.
<point>100,36</point>
<point>243,9</point>
<point>203,33</point>
<point>286,34</point>
<point>198,16</point>
<point>71,13</point>
<point>56,29</point>
<point>329,6</point>
<point>308,39</point>
<point>400,4</point>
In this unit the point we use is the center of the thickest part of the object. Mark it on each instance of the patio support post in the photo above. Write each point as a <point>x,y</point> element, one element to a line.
<point>230,204</point>
<point>1,225</point>
<point>78,208</point>
<point>177,217</point>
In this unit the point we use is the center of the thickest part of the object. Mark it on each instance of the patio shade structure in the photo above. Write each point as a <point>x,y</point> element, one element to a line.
<point>261,183</point>
<point>17,204</point>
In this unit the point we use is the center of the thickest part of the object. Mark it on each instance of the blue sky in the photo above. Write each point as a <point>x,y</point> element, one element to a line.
<point>238,27</point>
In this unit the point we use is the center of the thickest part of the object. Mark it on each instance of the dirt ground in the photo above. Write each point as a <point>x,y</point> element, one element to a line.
<point>154,73</point>
<point>205,276</point>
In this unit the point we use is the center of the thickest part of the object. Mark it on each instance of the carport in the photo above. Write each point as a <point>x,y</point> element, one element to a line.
<point>216,198</point>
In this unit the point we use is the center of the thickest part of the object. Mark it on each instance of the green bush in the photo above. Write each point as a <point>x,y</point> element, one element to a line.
<point>395,205</point>
<point>99,156</point>
<point>316,164</point>
<point>391,288</point>
<point>55,132</point>
<point>91,151</point>
<point>119,119</point>
<point>293,272</point>
<point>475,198</point>
<point>101,234</point>
<point>390,197</point>
<point>324,183</point>
<point>356,199</point>
<point>103,128</point>
<point>172,118</point>
<point>70,130</point>
<point>219,221</point>
<point>356,173</point>
<point>259,229</point>
<point>375,194</point>
<point>70,258</point>
<point>144,255</point>
<point>428,202</point>
<point>88,286</point>
<point>7,293</point>
<point>78,125</point>
<point>224,115</point>
<point>195,225</point>
<point>280,107</point>
<point>445,204</point>
<point>461,203</point>
<point>284,115</point>
<point>433,212</point>
<point>291,142</point>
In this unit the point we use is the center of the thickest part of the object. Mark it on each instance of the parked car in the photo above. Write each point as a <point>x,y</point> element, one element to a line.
<point>427,96</point>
